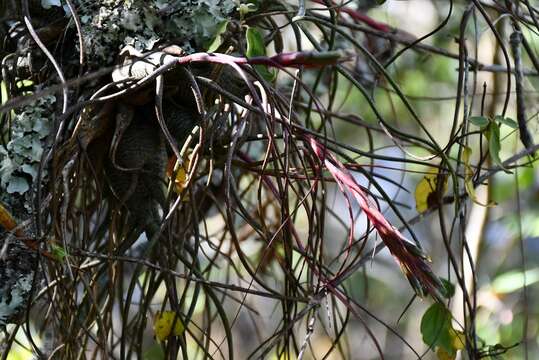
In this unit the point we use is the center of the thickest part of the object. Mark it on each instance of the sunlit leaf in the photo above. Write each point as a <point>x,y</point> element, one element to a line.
<point>163,323</point>
<point>19,353</point>
<point>514,280</point>
<point>459,339</point>
<point>24,83</point>
<point>4,97</point>
<point>218,39</point>
<point>181,180</point>
<point>428,189</point>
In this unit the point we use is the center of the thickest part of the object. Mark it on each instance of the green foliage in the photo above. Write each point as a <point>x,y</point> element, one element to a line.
<point>256,47</point>
<point>480,121</point>
<point>218,39</point>
<point>506,121</point>
<point>438,332</point>
<point>448,287</point>
<point>58,252</point>
<point>154,352</point>
<point>494,146</point>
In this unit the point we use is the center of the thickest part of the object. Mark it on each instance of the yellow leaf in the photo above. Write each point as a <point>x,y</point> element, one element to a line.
<point>458,342</point>
<point>441,354</point>
<point>459,339</point>
<point>427,190</point>
<point>163,322</point>
<point>182,173</point>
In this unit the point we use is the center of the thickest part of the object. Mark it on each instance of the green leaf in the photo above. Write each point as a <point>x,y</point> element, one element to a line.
<point>436,328</point>
<point>58,252</point>
<point>449,288</point>
<point>480,121</point>
<point>256,47</point>
<point>506,121</point>
<point>154,352</point>
<point>493,135</point>
<point>218,39</point>
<point>255,43</point>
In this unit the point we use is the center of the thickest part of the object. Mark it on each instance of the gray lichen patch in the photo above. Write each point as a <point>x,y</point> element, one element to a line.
<point>17,265</point>
<point>108,25</point>
<point>20,158</point>
<point>14,298</point>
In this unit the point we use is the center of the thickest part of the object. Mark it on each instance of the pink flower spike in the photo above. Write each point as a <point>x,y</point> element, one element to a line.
<point>413,262</point>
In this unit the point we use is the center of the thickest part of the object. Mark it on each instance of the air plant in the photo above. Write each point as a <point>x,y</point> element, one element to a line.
<point>186,162</point>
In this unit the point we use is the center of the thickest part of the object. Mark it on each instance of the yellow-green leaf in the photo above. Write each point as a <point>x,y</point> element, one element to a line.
<point>245,9</point>
<point>438,332</point>
<point>58,252</point>
<point>441,354</point>
<point>3,93</point>
<point>163,323</point>
<point>218,39</point>
<point>181,172</point>
<point>427,189</point>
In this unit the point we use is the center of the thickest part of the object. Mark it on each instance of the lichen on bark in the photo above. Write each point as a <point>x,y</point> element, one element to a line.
<point>108,25</point>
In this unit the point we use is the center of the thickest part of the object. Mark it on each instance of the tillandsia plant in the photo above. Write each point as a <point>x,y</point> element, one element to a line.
<point>207,179</point>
